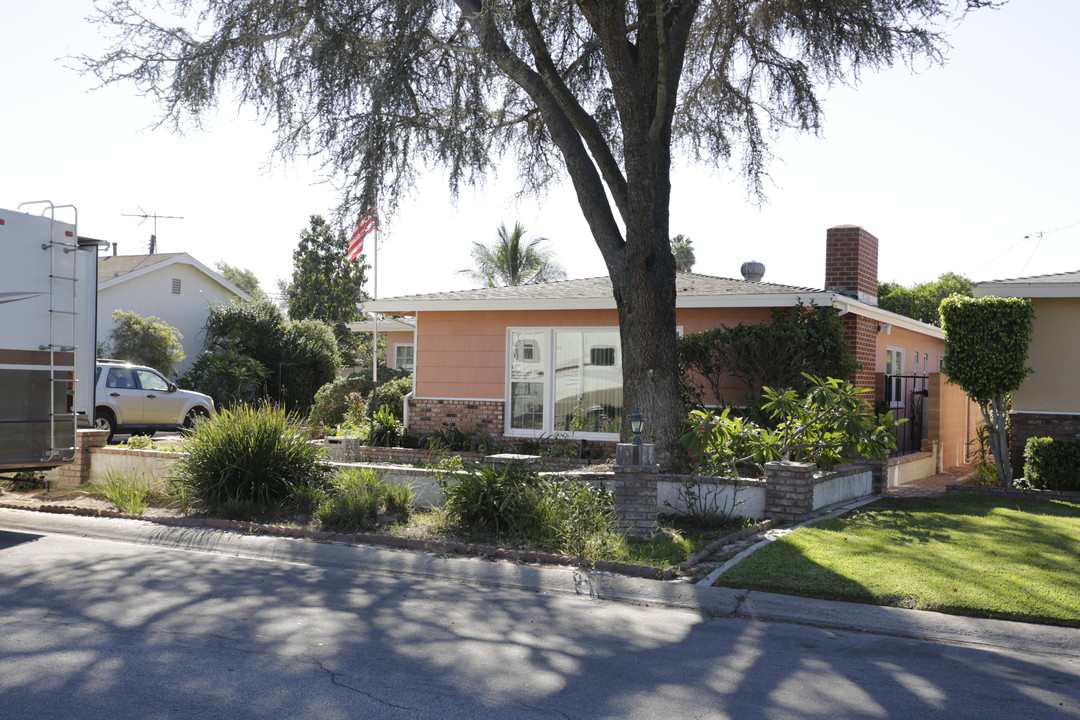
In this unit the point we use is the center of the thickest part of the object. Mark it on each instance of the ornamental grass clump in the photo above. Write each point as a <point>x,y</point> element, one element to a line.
<point>251,454</point>
<point>356,497</point>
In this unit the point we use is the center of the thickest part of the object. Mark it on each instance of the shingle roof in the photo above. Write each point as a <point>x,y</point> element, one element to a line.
<point>686,285</point>
<point>1053,278</point>
<point>113,266</point>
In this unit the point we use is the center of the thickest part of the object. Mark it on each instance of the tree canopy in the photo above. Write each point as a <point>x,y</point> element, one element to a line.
<point>986,350</point>
<point>325,285</point>
<point>241,278</point>
<point>146,341</point>
<point>601,91</point>
<point>922,301</point>
<point>683,250</point>
<point>513,261</point>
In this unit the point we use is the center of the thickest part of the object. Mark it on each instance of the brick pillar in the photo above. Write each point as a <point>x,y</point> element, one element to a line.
<point>879,473</point>
<point>77,472</point>
<point>635,488</point>
<point>789,490</point>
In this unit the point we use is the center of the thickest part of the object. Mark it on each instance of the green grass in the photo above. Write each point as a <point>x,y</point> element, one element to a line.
<point>970,555</point>
<point>128,493</point>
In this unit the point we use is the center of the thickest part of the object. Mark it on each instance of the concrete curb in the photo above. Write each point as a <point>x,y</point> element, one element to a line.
<point>596,585</point>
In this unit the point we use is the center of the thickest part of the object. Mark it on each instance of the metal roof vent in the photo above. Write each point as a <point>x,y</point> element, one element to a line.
<point>752,271</point>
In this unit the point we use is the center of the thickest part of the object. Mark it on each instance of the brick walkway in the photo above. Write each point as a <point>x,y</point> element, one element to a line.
<point>934,485</point>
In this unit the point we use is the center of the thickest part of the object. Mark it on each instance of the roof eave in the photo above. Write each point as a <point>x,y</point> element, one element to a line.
<point>1028,290</point>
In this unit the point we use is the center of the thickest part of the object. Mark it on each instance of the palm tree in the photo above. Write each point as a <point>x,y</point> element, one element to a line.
<point>684,254</point>
<point>512,261</point>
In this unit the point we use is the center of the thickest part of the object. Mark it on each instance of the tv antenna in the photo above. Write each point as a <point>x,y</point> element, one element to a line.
<point>145,216</point>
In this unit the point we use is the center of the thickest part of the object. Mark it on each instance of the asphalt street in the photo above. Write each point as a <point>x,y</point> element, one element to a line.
<point>126,619</point>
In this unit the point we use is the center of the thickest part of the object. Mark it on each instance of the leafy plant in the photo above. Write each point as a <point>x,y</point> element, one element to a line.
<point>795,344</point>
<point>449,439</point>
<point>830,423</point>
<point>708,506</point>
<point>128,493</point>
<point>386,430</point>
<point>139,442</point>
<point>254,454</point>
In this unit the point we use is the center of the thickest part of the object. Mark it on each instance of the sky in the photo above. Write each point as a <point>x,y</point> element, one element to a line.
<point>972,167</point>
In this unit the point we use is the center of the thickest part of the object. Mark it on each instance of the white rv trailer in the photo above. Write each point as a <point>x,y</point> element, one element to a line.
<point>48,335</point>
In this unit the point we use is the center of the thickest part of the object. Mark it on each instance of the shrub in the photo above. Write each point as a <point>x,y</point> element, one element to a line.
<point>389,395</point>
<point>1052,463</point>
<point>567,514</point>
<point>255,454</point>
<point>831,423</point>
<point>227,376</point>
<point>333,399</point>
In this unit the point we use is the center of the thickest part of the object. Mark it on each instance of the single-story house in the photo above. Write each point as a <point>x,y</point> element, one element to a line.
<point>533,361</point>
<point>174,287</point>
<point>1047,403</point>
<point>400,339</point>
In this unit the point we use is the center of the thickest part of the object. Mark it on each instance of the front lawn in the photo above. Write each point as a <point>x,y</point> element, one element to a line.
<point>970,555</point>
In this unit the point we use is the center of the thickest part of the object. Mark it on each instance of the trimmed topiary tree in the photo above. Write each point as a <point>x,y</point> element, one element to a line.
<point>986,350</point>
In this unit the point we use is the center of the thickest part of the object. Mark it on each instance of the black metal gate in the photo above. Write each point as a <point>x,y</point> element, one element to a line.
<point>296,386</point>
<point>906,395</point>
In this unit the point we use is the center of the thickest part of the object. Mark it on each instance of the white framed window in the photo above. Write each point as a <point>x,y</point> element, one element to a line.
<point>894,384</point>
<point>405,357</point>
<point>565,381</point>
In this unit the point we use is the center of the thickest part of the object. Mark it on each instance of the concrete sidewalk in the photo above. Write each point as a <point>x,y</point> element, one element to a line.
<point>725,602</point>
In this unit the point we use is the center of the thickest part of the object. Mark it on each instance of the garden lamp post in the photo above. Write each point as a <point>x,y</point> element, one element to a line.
<point>637,424</point>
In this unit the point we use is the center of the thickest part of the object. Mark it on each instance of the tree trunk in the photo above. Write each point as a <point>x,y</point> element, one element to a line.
<point>644,288</point>
<point>994,415</point>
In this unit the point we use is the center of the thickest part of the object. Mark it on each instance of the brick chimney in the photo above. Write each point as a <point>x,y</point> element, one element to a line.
<point>851,256</point>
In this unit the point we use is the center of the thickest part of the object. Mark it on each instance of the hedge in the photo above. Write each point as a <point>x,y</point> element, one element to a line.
<point>1052,463</point>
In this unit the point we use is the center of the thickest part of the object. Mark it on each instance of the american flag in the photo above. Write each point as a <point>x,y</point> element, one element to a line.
<point>365,223</point>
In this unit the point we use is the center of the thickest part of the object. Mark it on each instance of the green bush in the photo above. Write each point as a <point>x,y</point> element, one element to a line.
<point>389,395</point>
<point>334,398</point>
<point>248,454</point>
<point>357,496</point>
<point>1052,463</point>
<point>567,514</point>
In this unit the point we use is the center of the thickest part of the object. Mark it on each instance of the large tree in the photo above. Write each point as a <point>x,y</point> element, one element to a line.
<point>922,301</point>
<point>513,261</point>
<point>325,284</point>
<point>601,91</point>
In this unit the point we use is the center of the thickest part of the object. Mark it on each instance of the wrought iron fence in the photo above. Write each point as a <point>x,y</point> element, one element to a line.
<point>906,396</point>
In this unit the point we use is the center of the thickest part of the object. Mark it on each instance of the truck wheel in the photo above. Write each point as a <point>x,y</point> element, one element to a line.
<point>104,420</point>
<point>195,414</point>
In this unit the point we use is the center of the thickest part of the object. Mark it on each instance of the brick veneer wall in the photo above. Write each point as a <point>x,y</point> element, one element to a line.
<point>860,335</point>
<point>470,416</point>
<point>851,262</point>
<point>1028,424</point>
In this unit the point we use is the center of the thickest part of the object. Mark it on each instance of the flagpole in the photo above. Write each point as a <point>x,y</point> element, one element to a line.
<point>375,316</point>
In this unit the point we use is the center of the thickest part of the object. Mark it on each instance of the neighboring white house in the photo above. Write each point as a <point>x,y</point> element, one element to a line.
<point>174,287</point>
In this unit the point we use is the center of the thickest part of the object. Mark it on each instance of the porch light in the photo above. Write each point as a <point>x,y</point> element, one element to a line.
<point>637,424</point>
